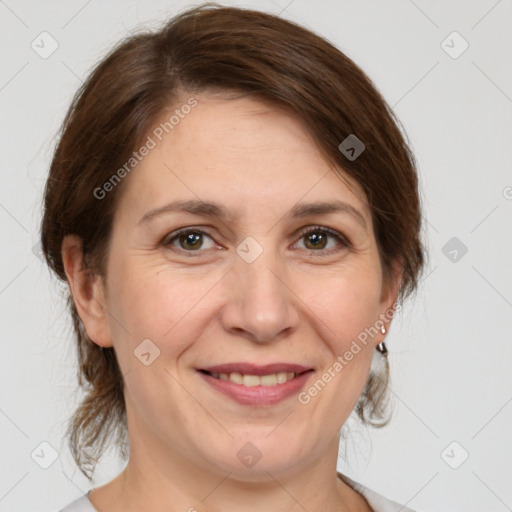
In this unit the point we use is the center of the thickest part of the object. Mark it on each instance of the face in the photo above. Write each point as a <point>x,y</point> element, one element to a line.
<point>257,276</point>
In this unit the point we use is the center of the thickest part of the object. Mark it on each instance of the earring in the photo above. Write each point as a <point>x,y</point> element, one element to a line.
<point>381,347</point>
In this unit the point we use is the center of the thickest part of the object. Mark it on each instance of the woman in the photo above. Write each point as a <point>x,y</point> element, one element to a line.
<point>236,213</point>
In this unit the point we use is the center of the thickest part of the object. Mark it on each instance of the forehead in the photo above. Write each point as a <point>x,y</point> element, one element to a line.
<point>235,149</point>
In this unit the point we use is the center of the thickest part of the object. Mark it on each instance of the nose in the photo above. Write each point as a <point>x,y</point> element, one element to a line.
<point>261,306</point>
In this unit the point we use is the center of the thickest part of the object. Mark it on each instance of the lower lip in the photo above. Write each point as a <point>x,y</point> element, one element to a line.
<point>258,395</point>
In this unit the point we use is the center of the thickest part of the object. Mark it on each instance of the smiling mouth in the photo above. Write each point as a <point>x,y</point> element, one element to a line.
<point>248,380</point>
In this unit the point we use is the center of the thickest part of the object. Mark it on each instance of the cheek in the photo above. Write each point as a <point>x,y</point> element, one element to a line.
<point>345,311</point>
<point>142,304</point>
<point>348,304</point>
<point>149,301</point>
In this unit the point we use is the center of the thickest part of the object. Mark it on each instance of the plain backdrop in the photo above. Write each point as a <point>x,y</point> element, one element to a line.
<point>449,445</point>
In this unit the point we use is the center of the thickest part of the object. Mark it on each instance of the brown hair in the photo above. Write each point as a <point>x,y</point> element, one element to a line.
<point>225,49</point>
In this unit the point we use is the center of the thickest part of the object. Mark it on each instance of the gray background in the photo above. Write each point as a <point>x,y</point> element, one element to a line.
<point>450,349</point>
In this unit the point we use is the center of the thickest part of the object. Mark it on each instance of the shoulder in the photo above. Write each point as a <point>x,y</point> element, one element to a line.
<point>82,504</point>
<point>376,501</point>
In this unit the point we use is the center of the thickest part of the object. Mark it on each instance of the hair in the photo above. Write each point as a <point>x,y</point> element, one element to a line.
<point>206,49</point>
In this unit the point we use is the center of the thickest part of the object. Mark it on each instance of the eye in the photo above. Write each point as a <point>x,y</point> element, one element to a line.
<point>322,239</point>
<point>316,239</point>
<point>190,240</point>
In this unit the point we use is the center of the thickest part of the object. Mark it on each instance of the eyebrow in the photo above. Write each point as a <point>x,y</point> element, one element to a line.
<point>216,210</point>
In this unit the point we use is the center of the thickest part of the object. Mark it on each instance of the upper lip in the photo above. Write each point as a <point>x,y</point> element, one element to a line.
<point>252,369</point>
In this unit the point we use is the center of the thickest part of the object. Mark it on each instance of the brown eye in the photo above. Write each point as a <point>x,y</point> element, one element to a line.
<point>323,240</point>
<point>189,240</point>
<point>315,240</point>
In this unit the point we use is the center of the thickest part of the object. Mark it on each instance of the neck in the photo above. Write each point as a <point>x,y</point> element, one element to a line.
<point>162,481</point>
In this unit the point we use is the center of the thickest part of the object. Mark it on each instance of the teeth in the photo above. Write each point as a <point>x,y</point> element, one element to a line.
<point>256,380</point>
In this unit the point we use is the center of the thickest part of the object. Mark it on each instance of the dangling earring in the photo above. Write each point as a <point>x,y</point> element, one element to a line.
<point>381,347</point>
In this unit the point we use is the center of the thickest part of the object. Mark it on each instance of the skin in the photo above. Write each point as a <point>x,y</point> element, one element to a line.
<point>205,305</point>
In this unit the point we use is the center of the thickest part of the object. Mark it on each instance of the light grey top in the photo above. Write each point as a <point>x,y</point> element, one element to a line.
<point>376,501</point>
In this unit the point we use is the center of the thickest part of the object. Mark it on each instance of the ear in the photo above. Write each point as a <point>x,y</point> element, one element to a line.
<point>87,290</point>
<point>389,296</point>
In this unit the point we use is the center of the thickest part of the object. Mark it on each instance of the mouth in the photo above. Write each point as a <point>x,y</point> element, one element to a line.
<point>249,374</point>
<point>248,384</point>
<point>250,380</point>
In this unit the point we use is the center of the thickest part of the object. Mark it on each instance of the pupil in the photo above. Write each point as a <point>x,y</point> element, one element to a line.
<point>316,239</point>
<point>191,240</point>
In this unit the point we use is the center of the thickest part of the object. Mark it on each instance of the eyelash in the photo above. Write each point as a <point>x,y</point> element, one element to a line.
<point>169,239</point>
